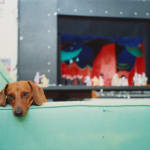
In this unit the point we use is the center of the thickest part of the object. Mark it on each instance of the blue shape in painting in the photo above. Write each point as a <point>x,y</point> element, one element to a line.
<point>126,58</point>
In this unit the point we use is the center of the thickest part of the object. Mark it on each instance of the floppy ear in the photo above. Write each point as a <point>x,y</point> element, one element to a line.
<point>3,97</point>
<point>38,94</point>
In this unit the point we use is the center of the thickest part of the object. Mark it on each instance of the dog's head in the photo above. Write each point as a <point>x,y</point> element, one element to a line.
<point>21,95</point>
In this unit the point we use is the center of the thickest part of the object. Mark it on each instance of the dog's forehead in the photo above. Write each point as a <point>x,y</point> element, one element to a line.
<point>21,85</point>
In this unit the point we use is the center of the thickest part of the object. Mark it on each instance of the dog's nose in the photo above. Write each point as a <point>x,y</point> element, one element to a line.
<point>18,112</point>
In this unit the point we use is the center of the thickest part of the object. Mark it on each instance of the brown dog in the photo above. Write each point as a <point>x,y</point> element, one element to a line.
<point>21,95</point>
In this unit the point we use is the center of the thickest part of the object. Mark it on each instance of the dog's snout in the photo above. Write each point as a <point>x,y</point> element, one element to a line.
<point>18,112</point>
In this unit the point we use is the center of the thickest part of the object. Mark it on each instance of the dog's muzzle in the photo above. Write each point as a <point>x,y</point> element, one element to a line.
<point>18,112</point>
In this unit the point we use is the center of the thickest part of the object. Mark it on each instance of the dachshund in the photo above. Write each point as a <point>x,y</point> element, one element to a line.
<point>21,95</point>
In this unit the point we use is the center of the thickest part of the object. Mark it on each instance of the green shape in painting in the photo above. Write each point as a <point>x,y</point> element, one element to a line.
<point>123,66</point>
<point>135,51</point>
<point>69,55</point>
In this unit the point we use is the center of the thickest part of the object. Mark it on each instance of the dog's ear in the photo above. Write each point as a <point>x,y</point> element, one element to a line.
<point>3,96</point>
<point>38,94</point>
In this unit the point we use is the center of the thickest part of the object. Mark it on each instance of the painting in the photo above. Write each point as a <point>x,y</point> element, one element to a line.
<point>98,60</point>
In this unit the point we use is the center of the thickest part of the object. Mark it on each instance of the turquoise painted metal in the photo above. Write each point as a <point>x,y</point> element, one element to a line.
<point>77,126</point>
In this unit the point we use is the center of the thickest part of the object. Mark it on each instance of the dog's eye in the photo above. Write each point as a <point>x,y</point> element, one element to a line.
<point>25,94</point>
<point>10,97</point>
